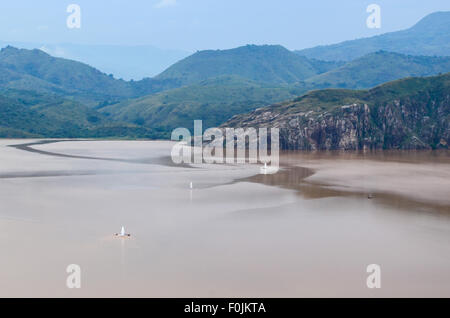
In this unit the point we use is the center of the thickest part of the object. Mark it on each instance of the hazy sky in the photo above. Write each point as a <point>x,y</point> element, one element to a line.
<point>206,24</point>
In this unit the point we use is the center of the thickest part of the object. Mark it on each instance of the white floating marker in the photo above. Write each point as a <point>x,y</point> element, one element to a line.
<point>122,233</point>
<point>268,170</point>
<point>264,169</point>
<point>191,186</point>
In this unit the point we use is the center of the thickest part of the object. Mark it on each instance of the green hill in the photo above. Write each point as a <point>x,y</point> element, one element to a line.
<point>430,36</point>
<point>379,67</point>
<point>53,97</point>
<point>34,70</point>
<point>272,64</point>
<point>412,113</point>
<point>213,100</point>
<point>30,114</point>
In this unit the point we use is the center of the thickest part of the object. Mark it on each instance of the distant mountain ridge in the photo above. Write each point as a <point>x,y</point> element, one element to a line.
<point>430,36</point>
<point>123,61</point>
<point>217,99</point>
<point>37,71</point>
<point>213,100</point>
<point>377,68</point>
<point>272,64</point>
<point>48,96</point>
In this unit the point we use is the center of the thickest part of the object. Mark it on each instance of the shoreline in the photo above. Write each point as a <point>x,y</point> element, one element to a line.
<point>230,236</point>
<point>378,174</point>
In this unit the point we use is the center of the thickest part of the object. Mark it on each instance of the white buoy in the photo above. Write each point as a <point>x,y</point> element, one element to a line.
<point>263,170</point>
<point>191,185</point>
<point>268,170</point>
<point>122,233</point>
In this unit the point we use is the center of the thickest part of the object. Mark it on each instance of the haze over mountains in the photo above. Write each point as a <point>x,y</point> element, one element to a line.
<point>379,67</point>
<point>430,36</point>
<point>36,70</point>
<point>213,85</point>
<point>126,62</point>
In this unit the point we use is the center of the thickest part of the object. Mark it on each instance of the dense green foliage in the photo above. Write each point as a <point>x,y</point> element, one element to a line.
<point>217,99</point>
<point>266,64</point>
<point>214,101</point>
<point>35,70</point>
<point>31,114</point>
<point>41,95</point>
<point>328,99</point>
<point>377,68</point>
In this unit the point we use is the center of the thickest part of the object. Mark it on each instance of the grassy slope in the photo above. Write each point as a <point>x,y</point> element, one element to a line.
<point>267,63</point>
<point>213,101</point>
<point>34,70</point>
<point>31,114</point>
<point>217,100</point>
<point>326,100</point>
<point>380,67</point>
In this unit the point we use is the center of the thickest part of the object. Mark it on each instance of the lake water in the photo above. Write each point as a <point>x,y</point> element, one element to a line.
<point>309,230</point>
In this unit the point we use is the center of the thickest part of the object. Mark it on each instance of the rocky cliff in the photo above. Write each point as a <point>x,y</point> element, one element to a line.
<point>412,113</point>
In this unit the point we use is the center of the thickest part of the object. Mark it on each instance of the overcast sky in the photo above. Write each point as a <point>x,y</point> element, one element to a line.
<point>206,24</point>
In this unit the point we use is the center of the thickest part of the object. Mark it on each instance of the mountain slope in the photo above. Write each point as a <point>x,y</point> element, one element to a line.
<point>412,113</point>
<point>31,114</point>
<point>266,64</point>
<point>430,36</point>
<point>123,61</point>
<point>380,67</point>
<point>43,115</point>
<point>214,101</point>
<point>37,71</point>
<point>127,62</point>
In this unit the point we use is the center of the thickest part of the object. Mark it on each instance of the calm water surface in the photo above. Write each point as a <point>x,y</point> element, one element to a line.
<point>309,230</point>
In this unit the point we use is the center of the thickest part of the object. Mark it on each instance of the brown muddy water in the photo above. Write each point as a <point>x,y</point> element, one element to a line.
<point>309,230</point>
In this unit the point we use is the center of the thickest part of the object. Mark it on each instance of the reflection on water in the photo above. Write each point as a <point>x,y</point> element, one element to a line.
<point>405,156</point>
<point>309,230</point>
<point>295,177</point>
<point>290,177</point>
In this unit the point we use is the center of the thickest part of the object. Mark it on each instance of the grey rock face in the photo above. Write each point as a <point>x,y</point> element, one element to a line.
<point>404,123</point>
